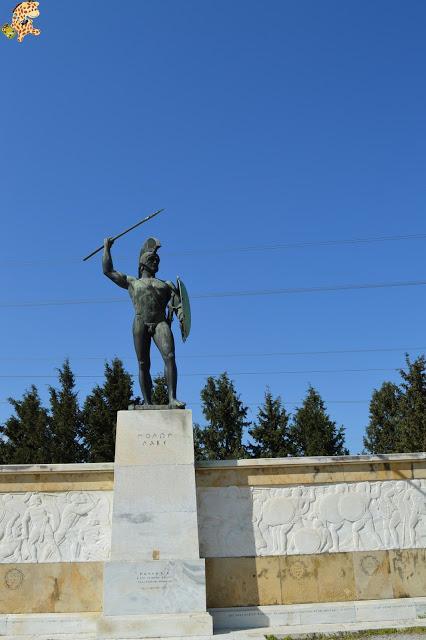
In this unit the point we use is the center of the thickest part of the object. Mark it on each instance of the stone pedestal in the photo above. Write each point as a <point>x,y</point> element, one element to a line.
<point>154,584</point>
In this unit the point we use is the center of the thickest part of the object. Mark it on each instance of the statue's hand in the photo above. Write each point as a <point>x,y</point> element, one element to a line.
<point>108,242</point>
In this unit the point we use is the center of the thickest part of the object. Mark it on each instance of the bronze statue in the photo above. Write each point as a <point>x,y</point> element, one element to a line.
<point>155,301</point>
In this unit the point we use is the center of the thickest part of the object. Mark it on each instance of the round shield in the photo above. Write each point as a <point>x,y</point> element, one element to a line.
<point>185,324</point>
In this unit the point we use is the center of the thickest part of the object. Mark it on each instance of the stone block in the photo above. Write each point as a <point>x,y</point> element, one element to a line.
<point>336,580</point>
<point>236,582</point>
<point>254,617</point>
<point>366,472</point>
<point>401,471</point>
<point>160,488</point>
<point>299,582</point>
<point>419,470</point>
<point>380,611</point>
<point>195,625</point>
<point>154,535</point>
<point>408,572</point>
<point>420,604</point>
<point>157,586</point>
<point>51,587</point>
<point>154,437</point>
<point>50,625</point>
<point>372,575</point>
<point>336,613</point>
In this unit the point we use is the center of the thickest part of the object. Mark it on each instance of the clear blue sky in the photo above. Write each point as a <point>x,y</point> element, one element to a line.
<point>253,123</point>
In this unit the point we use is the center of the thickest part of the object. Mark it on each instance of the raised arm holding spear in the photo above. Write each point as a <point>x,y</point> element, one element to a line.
<point>152,298</point>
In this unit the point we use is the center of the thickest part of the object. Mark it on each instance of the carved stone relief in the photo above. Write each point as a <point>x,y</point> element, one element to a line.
<point>363,516</point>
<point>54,527</point>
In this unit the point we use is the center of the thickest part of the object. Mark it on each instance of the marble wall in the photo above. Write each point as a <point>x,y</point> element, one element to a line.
<point>39,527</point>
<point>341,517</point>
<point>272,532</point>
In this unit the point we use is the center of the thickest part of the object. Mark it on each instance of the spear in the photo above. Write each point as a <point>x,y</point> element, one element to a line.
<point>123,233</point>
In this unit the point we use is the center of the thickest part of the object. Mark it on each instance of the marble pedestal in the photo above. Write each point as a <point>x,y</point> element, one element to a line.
<point>154,584</point>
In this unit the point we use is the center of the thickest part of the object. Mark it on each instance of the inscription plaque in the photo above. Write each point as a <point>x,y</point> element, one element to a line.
<point>154,439</point>
<point>156,578</point>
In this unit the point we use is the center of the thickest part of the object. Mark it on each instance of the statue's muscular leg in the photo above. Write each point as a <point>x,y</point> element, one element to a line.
<point>142,342</point>
<point>163,338</point>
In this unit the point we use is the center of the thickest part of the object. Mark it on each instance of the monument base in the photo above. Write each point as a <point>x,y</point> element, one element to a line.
<point>184,625</point>
<point>154,587</point>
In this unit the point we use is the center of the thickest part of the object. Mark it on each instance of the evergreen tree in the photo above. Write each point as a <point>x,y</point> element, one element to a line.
<point>160,394</point>
<point>270,432</point>
<point>222,438</point>
<point>199,452</point>
<point>100,408</point>
<point>65,419</point>
<point>412,436</point>
<point>313,433</point>
<point>383,430</point>
<point>26,434</point>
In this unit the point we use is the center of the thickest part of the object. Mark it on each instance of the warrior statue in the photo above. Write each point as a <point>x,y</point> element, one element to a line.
<point>155,301</point>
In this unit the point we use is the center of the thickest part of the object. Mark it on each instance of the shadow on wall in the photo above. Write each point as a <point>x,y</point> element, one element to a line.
<point>226,520</point>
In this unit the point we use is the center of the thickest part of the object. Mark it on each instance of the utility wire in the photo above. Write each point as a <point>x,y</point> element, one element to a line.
<point>235,373</point>
<point>257,404</point>
<point>255,247</point>
<point>228,294</point>
<point>302,244</point>
<point>184,356</point>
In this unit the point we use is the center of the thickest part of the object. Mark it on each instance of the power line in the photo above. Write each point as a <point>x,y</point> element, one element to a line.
<point>298,353</point>
<point>339,287</point>
<point>184,356</point>
<point>228,294</point>
<point>303,244</point>
<point>235,373</point>
<point>303,371</point>
<point>256,404</point>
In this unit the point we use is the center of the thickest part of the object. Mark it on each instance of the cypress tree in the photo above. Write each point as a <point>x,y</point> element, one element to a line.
<point>270,432</point>
<point>26,434</point>
<point>313,433</point>
<point>384,427</point>
<point>65,419</point>
<point>412,433</point>
<point>99,416</point>
<point>222,438</point>
<point>199,452</point>
<point>159,390</point>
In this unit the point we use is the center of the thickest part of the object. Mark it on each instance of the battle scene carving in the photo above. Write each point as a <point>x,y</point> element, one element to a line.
<point>362,516</point>
<point>55,527</point>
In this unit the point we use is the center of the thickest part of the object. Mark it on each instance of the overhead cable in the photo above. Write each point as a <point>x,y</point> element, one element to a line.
<point>302,244</point>
<point>184,356</point>
<point>235,373</point>
<point>228,294</point>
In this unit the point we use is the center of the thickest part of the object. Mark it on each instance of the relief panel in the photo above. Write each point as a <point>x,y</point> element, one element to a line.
<point>265,521</point>
<point>55,527</point>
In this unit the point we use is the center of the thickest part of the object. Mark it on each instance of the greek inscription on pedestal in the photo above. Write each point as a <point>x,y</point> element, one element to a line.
<point>154,439</point>
<point>155,578</point>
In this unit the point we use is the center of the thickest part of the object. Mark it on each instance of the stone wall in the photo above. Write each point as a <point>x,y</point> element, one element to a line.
<point>278,531</point>
<point>290,531</point>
